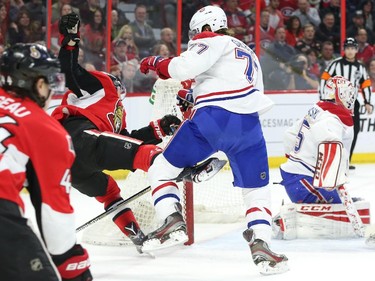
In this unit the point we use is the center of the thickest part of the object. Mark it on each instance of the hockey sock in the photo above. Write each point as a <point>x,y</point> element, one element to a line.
<point>112,194</point>
<point>126,222</point>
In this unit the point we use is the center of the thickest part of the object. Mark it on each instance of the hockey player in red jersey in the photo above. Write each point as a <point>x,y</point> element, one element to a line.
<point>37,152</point>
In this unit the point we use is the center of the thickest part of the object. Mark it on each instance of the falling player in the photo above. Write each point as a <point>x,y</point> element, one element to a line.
<point>228,98</point>
<point>37,152</point>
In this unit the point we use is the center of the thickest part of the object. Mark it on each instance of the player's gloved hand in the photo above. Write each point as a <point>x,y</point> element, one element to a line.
<point>165,126</point>
<point>150,63</point>
<point>185,99</point>
<point>69,29</point>
<point>74,264</point>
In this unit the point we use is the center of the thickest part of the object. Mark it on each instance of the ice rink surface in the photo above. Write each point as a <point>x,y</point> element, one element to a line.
<point>220,252</point>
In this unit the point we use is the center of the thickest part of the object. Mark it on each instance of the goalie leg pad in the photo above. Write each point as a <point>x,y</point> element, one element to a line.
<point>317,221</point>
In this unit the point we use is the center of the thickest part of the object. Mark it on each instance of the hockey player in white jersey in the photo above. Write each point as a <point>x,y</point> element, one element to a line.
<point>228,98</point>
<point>318,149</point>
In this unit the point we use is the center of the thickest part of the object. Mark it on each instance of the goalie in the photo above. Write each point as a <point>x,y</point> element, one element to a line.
<point>317,148</point>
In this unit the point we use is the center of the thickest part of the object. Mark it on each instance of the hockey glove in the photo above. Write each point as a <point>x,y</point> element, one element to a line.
<point>150,63</point>
<point>74,264</point>
<point>69,29</point>
<point>165,126</point>
<point>185,100</point>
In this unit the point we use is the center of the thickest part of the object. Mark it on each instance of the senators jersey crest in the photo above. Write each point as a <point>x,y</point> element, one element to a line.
<point>115,118</point>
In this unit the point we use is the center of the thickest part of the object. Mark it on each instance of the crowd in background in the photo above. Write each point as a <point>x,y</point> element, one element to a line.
<point>298,38</point>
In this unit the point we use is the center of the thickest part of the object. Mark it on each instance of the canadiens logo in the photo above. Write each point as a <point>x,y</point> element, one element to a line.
<point>115,118</point>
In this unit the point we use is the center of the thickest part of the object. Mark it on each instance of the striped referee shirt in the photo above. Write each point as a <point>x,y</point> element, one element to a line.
<point>355,72</point>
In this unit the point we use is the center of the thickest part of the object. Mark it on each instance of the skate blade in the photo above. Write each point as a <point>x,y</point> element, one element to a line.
<point>175,238</point>
<point>266,269</point>
<point>370,241</point>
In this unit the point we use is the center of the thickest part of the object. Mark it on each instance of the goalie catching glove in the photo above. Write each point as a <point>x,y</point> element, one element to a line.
<point>74,264</point>
<point>165,126</point>
<point>69,29</point>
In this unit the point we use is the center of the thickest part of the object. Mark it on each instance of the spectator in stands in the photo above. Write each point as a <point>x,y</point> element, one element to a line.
<point>56,9</point>
<point>119,55</point>
<point>327,55</point>
<point>93,39</point>
<point>276,17</point>
<point>328,31</point>
<point>87,9</point>
<point>248,7</point>
<point>115,27</point>
<point>332,7</point>
<point>143,33</point>
<point>365,50</point>
<point>161,50</point>
<point>276,57</point>
<point>308,40</point>
<point>14,9</point>
<point>267,33</point>
<point>167,38</point>
<point>126,34</point>
<point>129,70</point>
<point>293,30</point>
<point>359,22</point>
<point>313,65</point>
<point>301,78</point>
<point>37,12</point>
<point>55,46</point>
<point>23,30</point>
<point>122,19</point>
<point>238,24</point>
<point>2,48</point>
<point>307,14</point>
<point>367,8</point>
<point>3,24</point>
<point>315,4</point>
<point>287,7</point>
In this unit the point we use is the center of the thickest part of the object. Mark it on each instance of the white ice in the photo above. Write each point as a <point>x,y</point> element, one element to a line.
<point>220,252</point>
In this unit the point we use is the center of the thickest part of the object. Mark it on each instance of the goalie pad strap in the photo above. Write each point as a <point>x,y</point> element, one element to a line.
<point>328,171</point>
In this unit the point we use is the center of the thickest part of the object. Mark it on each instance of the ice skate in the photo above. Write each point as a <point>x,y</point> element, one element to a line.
<point>267,261</point>
<point>136,236</point>
<point>203,171</point>
<point>171,233</point>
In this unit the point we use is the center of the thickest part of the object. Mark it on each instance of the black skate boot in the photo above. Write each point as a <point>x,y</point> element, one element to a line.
<point>136,235</point>
<point>171,233</point>
<point>201,172</point>
<point>267,261</point>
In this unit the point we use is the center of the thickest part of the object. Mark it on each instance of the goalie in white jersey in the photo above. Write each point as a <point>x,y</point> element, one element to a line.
<point>318,146</point>
<point>227,100</point>
<point>318,149</point>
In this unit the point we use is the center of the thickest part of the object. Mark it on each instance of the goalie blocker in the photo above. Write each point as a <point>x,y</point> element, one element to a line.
<point>317,221</point>
<point>330,169</point>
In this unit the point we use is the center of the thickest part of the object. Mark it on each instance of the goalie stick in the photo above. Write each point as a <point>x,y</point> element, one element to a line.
<point>351,211</point>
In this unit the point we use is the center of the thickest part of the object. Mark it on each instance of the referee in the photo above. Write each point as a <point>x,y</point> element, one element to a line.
<point>349,67</point>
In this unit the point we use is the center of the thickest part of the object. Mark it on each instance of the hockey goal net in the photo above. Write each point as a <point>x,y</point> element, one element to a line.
<point>213,201</point>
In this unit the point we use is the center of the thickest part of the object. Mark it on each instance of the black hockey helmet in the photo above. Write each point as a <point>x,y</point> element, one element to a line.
<point>117,83</point>
<point>21,64</point>
<point>350,42</point>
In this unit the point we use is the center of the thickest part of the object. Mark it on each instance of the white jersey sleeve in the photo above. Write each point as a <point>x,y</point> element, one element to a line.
<point>226,71</point>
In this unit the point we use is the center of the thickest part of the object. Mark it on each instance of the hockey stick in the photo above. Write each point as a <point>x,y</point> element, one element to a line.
<point>351,211</point>
<point>111,210</point>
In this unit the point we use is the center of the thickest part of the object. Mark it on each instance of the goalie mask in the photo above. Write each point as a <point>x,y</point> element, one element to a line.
<point>340,90</point>
<point>213,16</point>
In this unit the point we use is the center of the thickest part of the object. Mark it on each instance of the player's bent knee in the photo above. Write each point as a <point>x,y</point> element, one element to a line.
<point>162,169</point>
